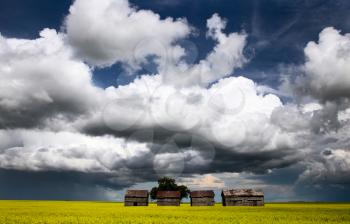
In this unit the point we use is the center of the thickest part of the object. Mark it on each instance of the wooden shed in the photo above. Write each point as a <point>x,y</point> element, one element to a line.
<point>202,198</point>
<point>168,198</point>
<point>136,198</point>
<point>242,197</point>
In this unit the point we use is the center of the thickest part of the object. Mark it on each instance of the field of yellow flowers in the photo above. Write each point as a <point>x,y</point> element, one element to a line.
<point>108,212</point>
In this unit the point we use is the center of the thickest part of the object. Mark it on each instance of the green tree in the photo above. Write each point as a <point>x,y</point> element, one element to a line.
<point>184,191</point>
<point>169,184</point>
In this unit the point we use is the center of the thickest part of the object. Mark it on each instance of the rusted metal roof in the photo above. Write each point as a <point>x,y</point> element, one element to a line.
<point>168,194</point>
<point>137,194</point>
<point>242,192</point>
<point>202,194</point>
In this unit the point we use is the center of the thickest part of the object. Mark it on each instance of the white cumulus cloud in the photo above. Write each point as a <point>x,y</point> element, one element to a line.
<point>104,32</point>
<point>40,80</point>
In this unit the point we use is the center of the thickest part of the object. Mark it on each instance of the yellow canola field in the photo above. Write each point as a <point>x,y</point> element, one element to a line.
<point>12,212</point>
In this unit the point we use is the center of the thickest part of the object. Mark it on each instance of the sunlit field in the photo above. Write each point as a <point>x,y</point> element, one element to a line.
<point>104,212</point>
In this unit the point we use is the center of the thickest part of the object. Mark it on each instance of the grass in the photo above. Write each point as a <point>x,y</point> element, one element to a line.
<point>106,212</point>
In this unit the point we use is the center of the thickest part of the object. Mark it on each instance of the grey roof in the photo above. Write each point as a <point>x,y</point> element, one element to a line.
<point>242,192</point>
<point>136,194</point>
<point>202,194</point>
<point>168,194</point>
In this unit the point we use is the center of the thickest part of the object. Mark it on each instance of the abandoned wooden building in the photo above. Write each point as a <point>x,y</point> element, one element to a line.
<point>202,198</point>
<point>168,198</point>
<point>136,198</point>
<point>242,197</point>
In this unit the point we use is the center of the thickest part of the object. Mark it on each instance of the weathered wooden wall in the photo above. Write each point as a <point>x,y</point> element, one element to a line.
<point>243,201</point>
<point>136,201</point>
<point>168,202</point>
<point>202,201</point>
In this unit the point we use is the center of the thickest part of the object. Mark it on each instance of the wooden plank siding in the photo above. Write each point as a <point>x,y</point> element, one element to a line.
<point>202,198</point>
<point>242,197</point>
<point>168,198</point>
<point>136,198</point>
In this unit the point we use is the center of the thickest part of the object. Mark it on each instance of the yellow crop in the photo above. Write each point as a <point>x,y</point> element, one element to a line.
<point>105,212</point>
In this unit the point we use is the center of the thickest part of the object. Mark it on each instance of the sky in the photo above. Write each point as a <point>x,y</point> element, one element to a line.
<point>100,96</point>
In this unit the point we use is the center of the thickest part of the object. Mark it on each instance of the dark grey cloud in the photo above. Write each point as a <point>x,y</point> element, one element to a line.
<point>51,185</point>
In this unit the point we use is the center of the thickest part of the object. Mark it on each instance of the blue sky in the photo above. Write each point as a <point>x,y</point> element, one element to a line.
<point>252,94</point>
